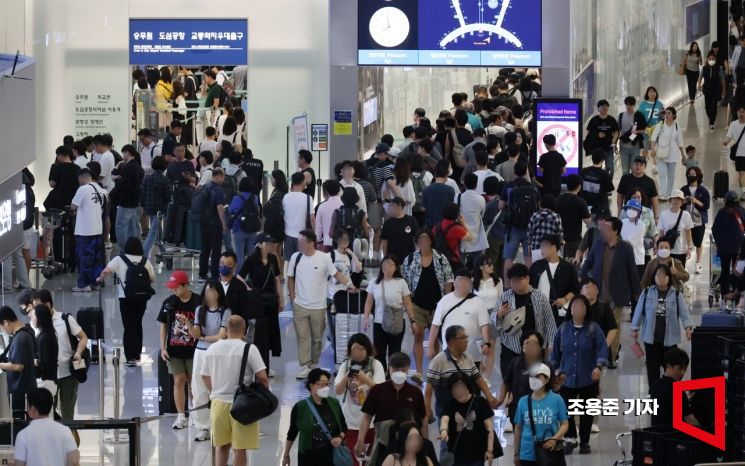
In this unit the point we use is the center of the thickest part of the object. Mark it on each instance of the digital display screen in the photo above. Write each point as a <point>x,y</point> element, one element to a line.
<point>12,214</point>
<point>188,42</point>
<point>449,32</point>
<point>563,119</point>
<point>370,112</point>
<point>697,20</point>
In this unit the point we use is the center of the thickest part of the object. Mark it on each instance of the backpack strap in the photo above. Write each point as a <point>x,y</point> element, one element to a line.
<point>297,261</point>
<point>126,260</point>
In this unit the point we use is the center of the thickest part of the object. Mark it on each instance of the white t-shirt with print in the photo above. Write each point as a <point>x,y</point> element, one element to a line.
<point>344,266</point>
<point>311,278</point>
<point>295,205</point>
<point>356,393</point>
<point>222,363</point>
<point>667,222</point>
<point>89,217</point>
<point>471,315</point>
<point>395,291</point>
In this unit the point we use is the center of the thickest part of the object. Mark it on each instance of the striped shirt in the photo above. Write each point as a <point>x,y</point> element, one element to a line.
<point>441,367</point>
<point>544,320</point>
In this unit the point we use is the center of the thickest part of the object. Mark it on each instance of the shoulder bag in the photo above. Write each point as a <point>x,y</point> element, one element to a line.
<point>252,402</point>
<point>341,455</point>
<point>393,316</point>
<point>78,370</point>
<point>544,457</point>
<point>673,234</point>
<point>733,149</point>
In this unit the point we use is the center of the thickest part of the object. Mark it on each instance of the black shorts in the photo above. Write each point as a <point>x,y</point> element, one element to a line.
<point>740,164</point>
<point>697,235</point>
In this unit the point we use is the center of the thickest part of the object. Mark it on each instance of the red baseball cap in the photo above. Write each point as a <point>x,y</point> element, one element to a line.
<point>178,277</point>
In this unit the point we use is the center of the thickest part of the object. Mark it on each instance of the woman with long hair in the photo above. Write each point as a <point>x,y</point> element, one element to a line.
<point>402,177</point>
<point>132,309</point>
<point>727,232</point>
<point>409,449</point>
<point>359,372</point>
<point>164,97</point>
<point>692,62</point>
<point>273,212</point>
<point>47,348</point>
<point>697,203</point>
<point>652,108</point>
<point>659,312</point>
<point>229,134</point>
<point>262,271</point>
<point>488,287</point>
<point>209,326</point>
<point>388,290</point>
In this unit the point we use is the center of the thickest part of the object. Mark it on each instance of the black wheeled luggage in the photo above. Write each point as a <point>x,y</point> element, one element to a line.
<point>91,321</point>
<point>721,184</point>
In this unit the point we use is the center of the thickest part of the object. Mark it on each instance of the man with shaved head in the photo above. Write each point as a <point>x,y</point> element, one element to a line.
<point>220,373</point>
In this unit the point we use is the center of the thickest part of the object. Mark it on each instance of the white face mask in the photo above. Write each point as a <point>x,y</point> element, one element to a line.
<point>663,253</point>
<point>323,392</point>
<point>535,383</point>
<point>712,62</point>
<point>632,214</point>
<point>740,267</point>
<point>399,377</point>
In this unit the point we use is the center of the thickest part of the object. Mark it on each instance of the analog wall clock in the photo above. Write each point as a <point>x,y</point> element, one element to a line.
<point>389,26</point>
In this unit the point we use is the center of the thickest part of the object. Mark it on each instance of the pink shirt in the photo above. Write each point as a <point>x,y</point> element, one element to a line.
<point>324,218</point>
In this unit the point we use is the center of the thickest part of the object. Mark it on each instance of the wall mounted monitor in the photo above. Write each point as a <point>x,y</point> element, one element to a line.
<point>449,32</point>
<point>563,119</point>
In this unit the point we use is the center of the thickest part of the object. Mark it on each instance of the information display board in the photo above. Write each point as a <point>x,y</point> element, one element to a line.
<point>449,32</point>
<point>188,42</point>
<point>563,119</point>
<point>12,214</point>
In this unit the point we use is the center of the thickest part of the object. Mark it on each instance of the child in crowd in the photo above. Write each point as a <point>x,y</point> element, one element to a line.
<point>690,160</point>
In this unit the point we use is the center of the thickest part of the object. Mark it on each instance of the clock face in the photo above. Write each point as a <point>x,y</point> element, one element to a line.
<point>389,26</point>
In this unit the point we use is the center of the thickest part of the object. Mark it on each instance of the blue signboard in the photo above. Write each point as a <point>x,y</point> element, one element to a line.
<point>450,32</point>
<point>188,42</point>
<point>563,119</point>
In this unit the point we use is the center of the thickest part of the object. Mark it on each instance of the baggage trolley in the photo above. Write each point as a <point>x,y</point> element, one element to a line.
<point>625,460</point>
<point>715,268</point>
<point>167,252</point>
<point>51,220</point>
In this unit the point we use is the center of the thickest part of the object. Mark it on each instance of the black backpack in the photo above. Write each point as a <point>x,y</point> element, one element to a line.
<point>523,204</point>
<point>441,245</point>
<point>349,219</point>
<point>249,218</point>
<point>417,180</point>
<point>230,186</point>
<point>201,207</point>
<point>137,284</point>
<point>274,218</point>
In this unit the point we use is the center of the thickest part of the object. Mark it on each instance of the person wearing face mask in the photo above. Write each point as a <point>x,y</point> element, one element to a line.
<point>542,408</point>
<point>387,399</point>
<point>467,424</point>
<point>676,224</point>
<point>667,144</point>
<point>680,274</point>
<point>727,233</point>
<point>711,83</point>
<point>633,231</point>
<point>580,354</point>
<point>314,446</point>
<point>657,315</point>
<point>646,218</point>
<point>359,373</point>
<point>697,203</point>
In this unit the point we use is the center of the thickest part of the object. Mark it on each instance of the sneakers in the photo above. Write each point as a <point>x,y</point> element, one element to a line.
<point>417,378</point>
<point>180,422</point>
<point>595,429</point>
<point>85,289</point>
<point>202,279</point>
<point>585,449</point>
<point>202,435</point>
<point>272,373</point>
<point>508,426</point>
<point>699,269</point>
<point>303,374</point>
<point>131,363</point>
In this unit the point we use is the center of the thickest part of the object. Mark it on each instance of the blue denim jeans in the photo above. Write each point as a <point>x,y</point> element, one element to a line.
<point>227,240</point>
<point>127,224</point>
<point>666,174</point>
<point>244,245</point>
<point>628,153</point>
<point>152,234</point>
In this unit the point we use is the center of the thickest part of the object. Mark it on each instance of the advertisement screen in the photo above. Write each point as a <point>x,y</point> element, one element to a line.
<point>563,119</point>
<point>188,42</point>
<point>449,32</point>
<point>697,20</point>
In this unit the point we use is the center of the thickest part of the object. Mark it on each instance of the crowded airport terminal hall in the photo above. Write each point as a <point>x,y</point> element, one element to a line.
<point>372,232</point>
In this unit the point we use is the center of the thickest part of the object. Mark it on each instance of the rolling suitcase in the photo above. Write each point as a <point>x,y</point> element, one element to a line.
<point>166,402</point>
<point>347,320</point>
<point>721,184</point>
<point>173,230</point>
<point>722,319</point>
<point>90,320</point>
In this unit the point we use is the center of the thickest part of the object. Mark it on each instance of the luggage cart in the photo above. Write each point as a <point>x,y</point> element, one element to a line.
<point>167,252</point>
<point>625,460</point>
<point>51,220</point>
<point>715,267</point>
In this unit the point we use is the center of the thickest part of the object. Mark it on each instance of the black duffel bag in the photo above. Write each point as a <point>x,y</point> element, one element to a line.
<point>251,402</point>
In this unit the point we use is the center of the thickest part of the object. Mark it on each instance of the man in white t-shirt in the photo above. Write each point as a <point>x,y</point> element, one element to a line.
<point>683,246</point>
<point>298,208</point>
<point>307,274</point>
<point>220,372</point>
<point>44,442</point>
<point>88,203</point>
<point>347,181</point>
<point>482,170</point>
<point>462,308</point>
<point>105,158</point>
<point>734,133</point>
<point>149,149</point>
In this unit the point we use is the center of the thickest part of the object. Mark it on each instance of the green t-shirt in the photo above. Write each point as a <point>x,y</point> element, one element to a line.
<point>213,92</point>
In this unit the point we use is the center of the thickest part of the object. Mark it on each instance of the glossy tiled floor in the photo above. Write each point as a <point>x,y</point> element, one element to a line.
<point>163,446</point>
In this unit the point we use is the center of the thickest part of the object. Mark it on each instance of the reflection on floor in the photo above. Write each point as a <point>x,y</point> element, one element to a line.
<point>163,446</point>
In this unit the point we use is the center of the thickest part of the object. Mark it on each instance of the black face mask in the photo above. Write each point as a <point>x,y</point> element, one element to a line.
<point>692,179</point>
